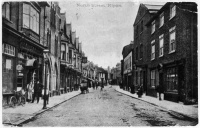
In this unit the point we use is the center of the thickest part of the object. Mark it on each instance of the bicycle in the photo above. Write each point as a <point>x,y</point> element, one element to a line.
<point>18,98</point>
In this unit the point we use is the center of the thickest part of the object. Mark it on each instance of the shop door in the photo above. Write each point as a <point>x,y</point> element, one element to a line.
<point>181,83</point>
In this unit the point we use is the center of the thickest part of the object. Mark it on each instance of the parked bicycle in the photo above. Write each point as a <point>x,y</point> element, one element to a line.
<point>18,98</point>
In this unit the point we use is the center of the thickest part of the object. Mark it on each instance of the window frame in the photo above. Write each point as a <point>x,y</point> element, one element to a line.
<point>8,49</point>
<point>161,37</point>
<point>161,18</point>
<point>153,27</point>
<point>172,11</point>
<point>63,52</point>
<point>153,54</point>
<point>171,31</point>
<point>33,17</point>
<point>7,12</point>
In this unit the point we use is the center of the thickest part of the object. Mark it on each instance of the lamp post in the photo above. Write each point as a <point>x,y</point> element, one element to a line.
<point>46,51</point>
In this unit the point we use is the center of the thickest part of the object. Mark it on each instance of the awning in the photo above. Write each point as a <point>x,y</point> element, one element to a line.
<point>32,63</point>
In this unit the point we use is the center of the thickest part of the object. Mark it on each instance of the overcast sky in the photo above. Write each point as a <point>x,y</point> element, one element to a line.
<point>104,28</point>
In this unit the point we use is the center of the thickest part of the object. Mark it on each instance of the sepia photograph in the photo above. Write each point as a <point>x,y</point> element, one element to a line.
<point>99,63</point>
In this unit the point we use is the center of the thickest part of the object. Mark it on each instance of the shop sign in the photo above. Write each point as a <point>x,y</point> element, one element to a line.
<point>19,67</point>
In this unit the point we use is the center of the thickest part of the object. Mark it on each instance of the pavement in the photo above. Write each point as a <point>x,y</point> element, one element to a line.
<point>190,111</point>
<point>19,114</point>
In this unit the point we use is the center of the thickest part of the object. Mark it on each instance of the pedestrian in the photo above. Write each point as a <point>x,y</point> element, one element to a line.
<point>30,87</point>
<point>93,84</point>
<point>97,84</point>
<point>102,86</point>
<point>37,91</point>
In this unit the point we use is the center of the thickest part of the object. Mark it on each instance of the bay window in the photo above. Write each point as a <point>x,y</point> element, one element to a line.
<point>63,52</point>
<point>30,18</point>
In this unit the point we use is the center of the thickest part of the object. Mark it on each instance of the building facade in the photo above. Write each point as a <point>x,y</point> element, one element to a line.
<point>22,45</point>
<point>172,53</point>
<point>141,36</point>
<point>127,73</point>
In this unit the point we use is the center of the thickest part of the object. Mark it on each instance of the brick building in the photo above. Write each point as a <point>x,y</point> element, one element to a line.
<point>172,52</point>
<point>141,37</point>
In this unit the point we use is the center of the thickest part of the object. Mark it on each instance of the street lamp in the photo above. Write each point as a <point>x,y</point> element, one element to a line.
<point>46,51</point>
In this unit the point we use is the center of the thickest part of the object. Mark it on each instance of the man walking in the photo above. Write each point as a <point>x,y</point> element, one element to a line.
<point>37,91</point>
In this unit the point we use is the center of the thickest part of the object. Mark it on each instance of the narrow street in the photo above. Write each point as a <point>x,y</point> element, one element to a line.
<point>106,108</point>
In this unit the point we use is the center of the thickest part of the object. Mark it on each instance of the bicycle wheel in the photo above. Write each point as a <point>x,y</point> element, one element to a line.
<point>22,100</point>
<point>13,101</point>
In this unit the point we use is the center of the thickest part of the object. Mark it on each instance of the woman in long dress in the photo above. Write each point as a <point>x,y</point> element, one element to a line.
<point>30,91</point>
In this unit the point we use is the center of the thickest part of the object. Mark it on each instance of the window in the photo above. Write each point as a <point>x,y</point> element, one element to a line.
<point>161,42</point>
<point>172,11</point>
<point>172,40</point>
<point>30,18</point>
<point>136,53</point>
<point>153,27</point>
<point>172,79</point>
<point>153,78</point>
<point>161,19</point>
<point>8,49</point>
<point>63,52</point>
<point>141,26</point>
<point>6,10</point>
<point>70,56</point>
<point>153,50</point>
<point>136,76</point>
<point>141,51</point>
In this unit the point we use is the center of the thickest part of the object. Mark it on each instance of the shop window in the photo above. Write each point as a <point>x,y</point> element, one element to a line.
<point>172,79</point>
<point>30,18</point>
<point>6,10</point>
<point>172,40</point>
<point>153,78</point>
<point>8,49</point>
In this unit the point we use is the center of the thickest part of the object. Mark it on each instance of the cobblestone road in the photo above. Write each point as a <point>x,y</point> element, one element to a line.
<point>106,108</point>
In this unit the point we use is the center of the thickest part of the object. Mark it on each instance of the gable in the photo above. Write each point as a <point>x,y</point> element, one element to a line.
<point>141,12</point>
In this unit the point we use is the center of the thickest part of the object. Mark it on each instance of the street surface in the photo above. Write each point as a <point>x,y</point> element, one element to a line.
<point>107,108</point>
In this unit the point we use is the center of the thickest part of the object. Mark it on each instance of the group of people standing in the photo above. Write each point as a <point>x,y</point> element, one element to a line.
<point>95,85</point>
<point>34,90</point>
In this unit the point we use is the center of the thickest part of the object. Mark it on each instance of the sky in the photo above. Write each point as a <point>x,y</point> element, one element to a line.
<point>104,28</point>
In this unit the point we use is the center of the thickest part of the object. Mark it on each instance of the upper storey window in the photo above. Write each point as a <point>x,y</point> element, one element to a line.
<point>6,10</point>
<point>172,11</point>
<point>30,18</point>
